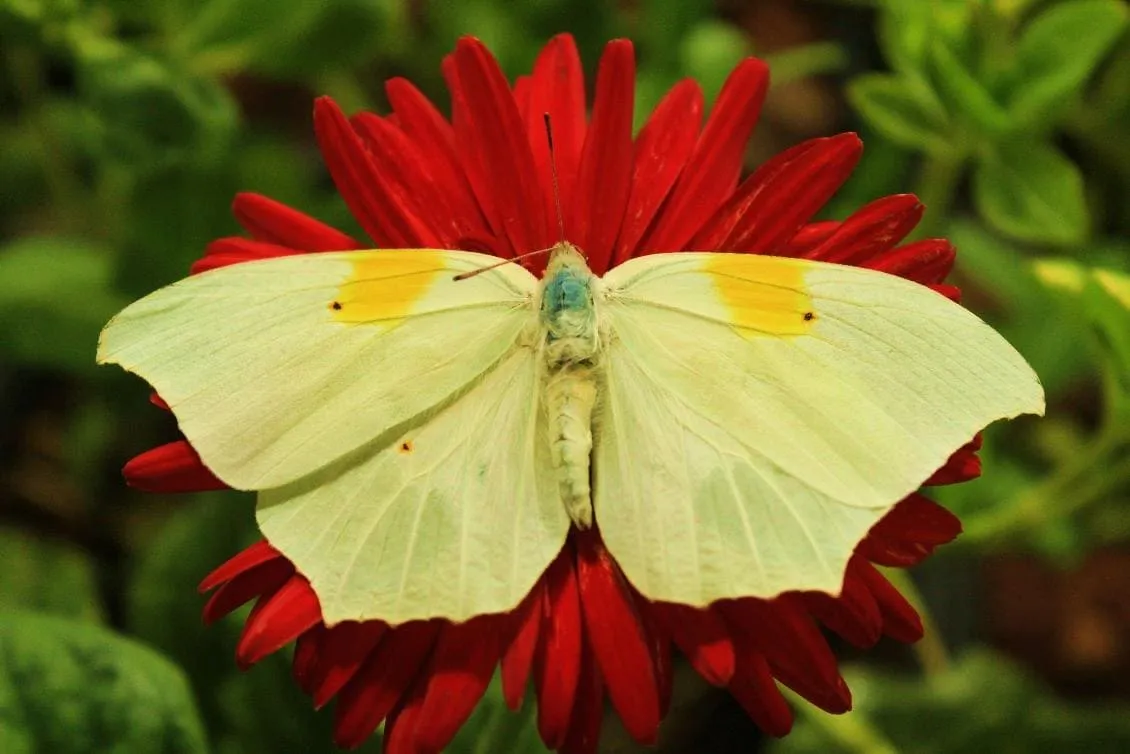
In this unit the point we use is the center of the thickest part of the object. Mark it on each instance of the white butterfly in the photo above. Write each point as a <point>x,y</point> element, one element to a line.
<point>422,441</point>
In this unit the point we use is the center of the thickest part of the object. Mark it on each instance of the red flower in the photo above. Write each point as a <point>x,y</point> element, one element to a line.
<point>482,181</point>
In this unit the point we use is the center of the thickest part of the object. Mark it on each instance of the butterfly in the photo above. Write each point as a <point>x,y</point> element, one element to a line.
<point>424,427</point>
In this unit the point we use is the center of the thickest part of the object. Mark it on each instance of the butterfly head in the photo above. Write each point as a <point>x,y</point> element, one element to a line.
<point>567,292</point>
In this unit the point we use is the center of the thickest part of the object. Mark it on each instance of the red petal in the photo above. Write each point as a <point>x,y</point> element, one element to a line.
<point>588,712</point>
<point>306,652</point>
<point>952,292</point>
<point>233,250</point>
<point>871,230</point>
<point>853,614</point>
<point>962,466</point>
<point>435,141</point>
<point>900,619</point>
<point>807,238</point>
<point>754,688</point>
<point>924,262</point>
<point>781,196</point>
<point>384,212</point>
<point>713,169</point>
<point>462,665</point>
<point>290,612</point>
<point>500,163</point>
<point>518,659</point>
<point>558,656</point>
<point>759,189</point>
<point>660,645</point>
<point>593,217</point>
<point>557,87</point>
<point>403,724</point>
<point>397,158</point>
<point>411,172</point>
<point>158,401</point>
<point>909,532</point>
<point>918,518</point>
<point>344,649</point>
<point>701,635</point>
<point>494,240</point>
<point>661,151</point>
<point>174,467</point>
<point>796,650</point>
<point>248,558</point>
<point>262,579</point>
<point>617,639</point>
<point>521,94</point>
<point>382,680</point>
<point>274,222</point>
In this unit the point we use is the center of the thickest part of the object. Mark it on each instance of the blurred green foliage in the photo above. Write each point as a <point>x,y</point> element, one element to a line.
<point>129,124</point>
<point>1023,716</point>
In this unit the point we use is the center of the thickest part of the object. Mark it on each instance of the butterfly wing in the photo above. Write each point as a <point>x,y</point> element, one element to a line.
<point>276,368</point>
<point>387,412</point>
<point>760,414</point>
<point>458,516</point>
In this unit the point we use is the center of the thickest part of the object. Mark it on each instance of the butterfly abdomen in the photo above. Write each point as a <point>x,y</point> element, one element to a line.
<point>570,394</point>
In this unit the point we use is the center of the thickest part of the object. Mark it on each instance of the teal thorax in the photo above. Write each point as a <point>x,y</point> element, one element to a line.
<point>567,298</point>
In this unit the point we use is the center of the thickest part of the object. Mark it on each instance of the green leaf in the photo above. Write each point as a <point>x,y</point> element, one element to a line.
<point>904,33</point>
<point>1013,8</point>
<point>177,211</point>
<point>494,728</point>
<point>47,576</point>
<point>296,40</point>
<point>984,703</point>
<point>669,22</point>
<point>74,688</point>
<point>1058,52</point>
<point>152,111</point>
<point>1032,192</point>
<point>33,20</point>
<point>902,109</point>
<point>710,51</point>
<point>1107,301</point>
<point>969,100</point>
<point>1001,272</point>
<point>163,606</point>
<point>1104,299</point>
<point>55,296</point>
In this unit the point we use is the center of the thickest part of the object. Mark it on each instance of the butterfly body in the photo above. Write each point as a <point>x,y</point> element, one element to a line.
<point>568,312</point>
<point>422,440</point>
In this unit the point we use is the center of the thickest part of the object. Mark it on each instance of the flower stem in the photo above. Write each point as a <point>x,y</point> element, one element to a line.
<point>853,731</point>
<point>938,180</point>
<point>933,657</point>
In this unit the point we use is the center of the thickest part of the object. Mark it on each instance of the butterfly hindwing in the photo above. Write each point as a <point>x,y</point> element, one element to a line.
<point>457,517</point>
<point>760,414</point>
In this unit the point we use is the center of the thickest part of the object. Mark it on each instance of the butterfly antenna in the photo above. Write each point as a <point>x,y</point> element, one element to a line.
<point>553,174</point>
<point>556,200</point>
<point>496,265</point>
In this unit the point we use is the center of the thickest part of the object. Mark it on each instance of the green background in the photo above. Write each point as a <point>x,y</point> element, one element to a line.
<point>127,126</point>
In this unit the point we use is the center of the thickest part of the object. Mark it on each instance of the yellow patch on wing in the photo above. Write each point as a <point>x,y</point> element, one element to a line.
<point>763,295</point>
<point>385,286</point>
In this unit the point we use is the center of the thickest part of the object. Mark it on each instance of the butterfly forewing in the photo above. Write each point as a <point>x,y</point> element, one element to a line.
<point>276,368</point>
